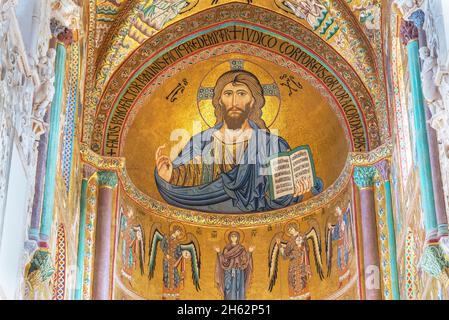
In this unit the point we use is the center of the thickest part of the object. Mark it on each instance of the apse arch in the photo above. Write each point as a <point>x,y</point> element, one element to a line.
<point>349,82</point>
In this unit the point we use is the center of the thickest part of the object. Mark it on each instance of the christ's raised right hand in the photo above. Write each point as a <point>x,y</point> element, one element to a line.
<point>164,165</point>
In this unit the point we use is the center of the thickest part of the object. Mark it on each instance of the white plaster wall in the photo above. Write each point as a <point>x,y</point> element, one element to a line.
<point>14,228</point>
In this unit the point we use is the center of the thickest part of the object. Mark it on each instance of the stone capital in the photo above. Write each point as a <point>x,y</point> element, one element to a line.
<point>61,32</point>
<point>408,31</point>
<point>417,17</point>
<point>88,171</point>
<point>68,12</point>
<point>434,263</point>
<point>107,179</point>
<point>40,269</point>
<point>408,7</point>
<point>384,169</point>
<point>364,177</point>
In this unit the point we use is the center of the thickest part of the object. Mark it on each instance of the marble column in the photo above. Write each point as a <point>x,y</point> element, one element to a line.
<point>107,182</point>
<point>417,18</point>
<point>33,232</point>
<point>409,35</point>
<point>52,151</point>
<point>364,179</point>
<point>383,168</point>
<point>88,172</point>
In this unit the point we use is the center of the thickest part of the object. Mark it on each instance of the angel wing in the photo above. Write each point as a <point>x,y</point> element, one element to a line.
<point>190,5</point>
<point>283,5</point>
<point>156,237</point>
<point>140,246</point>
<point>349,224</point>
<point>122,220</point>
<point>273,259</point>
<point>314,238</point>
<point>329,250</point>
<point>195,257</point>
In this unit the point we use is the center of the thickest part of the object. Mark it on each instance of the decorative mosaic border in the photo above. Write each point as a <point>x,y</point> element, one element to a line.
<point>402,129</point>
<point>232,220</point>
<point>91,209</point>
<point>60,265</point>
<point>210,219</point>
<point>410,266</point>
<point>71,107</point>
<point>382,231</point>
<point>89,95</point>
<point>239,49</point>
<point>304,36</point>
<point>100,162</point>
<point>370,158</point>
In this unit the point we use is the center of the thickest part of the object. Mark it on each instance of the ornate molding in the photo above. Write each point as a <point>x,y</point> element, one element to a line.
<point>233,220</point>
<point>111,164</point>
<point>384,169</point>
<point>370,158</point>
<point>100,162</point>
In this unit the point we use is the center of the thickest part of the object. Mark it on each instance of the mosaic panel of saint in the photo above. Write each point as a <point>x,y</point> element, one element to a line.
<point>225,168</point>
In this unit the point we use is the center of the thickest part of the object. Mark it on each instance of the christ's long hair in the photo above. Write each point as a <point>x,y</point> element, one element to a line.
<point>251,81</point>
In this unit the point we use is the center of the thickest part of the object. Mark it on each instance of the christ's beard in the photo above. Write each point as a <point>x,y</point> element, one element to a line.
<point>236,122</point>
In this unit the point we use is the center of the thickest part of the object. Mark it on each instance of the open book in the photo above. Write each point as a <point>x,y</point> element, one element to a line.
<point>287,168</point>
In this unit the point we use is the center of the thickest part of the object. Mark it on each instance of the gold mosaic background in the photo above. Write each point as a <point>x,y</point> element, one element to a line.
<point>140,287</point>
<point>305,117</point>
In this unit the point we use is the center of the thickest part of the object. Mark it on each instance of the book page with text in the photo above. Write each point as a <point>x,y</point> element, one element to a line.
<point>282,178</point>
<point>302,166</point>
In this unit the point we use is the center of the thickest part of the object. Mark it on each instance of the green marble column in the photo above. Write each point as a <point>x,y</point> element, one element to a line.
<point>409,34</point>
<point>53,147</point>
<point>87,174</point>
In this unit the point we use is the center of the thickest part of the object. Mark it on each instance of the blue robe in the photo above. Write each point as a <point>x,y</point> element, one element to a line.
<point>243,189</point>
<point>234,281</point>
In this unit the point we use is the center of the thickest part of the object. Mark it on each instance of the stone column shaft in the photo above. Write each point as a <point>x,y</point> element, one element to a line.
<point>87,173</point>
<point>418,18</point>
<point>52,151</point>
<point>409,34</point>
<point>107,181</point>
<point>33,233</point>
<point>364,178</point>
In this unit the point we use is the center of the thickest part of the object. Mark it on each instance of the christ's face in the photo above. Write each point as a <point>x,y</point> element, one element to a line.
<point>237,101</point>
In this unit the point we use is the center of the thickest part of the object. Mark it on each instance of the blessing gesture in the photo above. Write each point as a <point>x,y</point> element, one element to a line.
<point>164,165</point>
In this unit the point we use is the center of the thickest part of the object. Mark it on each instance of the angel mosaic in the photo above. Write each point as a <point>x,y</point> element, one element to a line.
<point>234,268</point>
<point>341,233</point>
<point>178,247</point>
<point>296,249</point>
<point>133,244</point>
<point>158,13</point>
<point>314,12</point>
